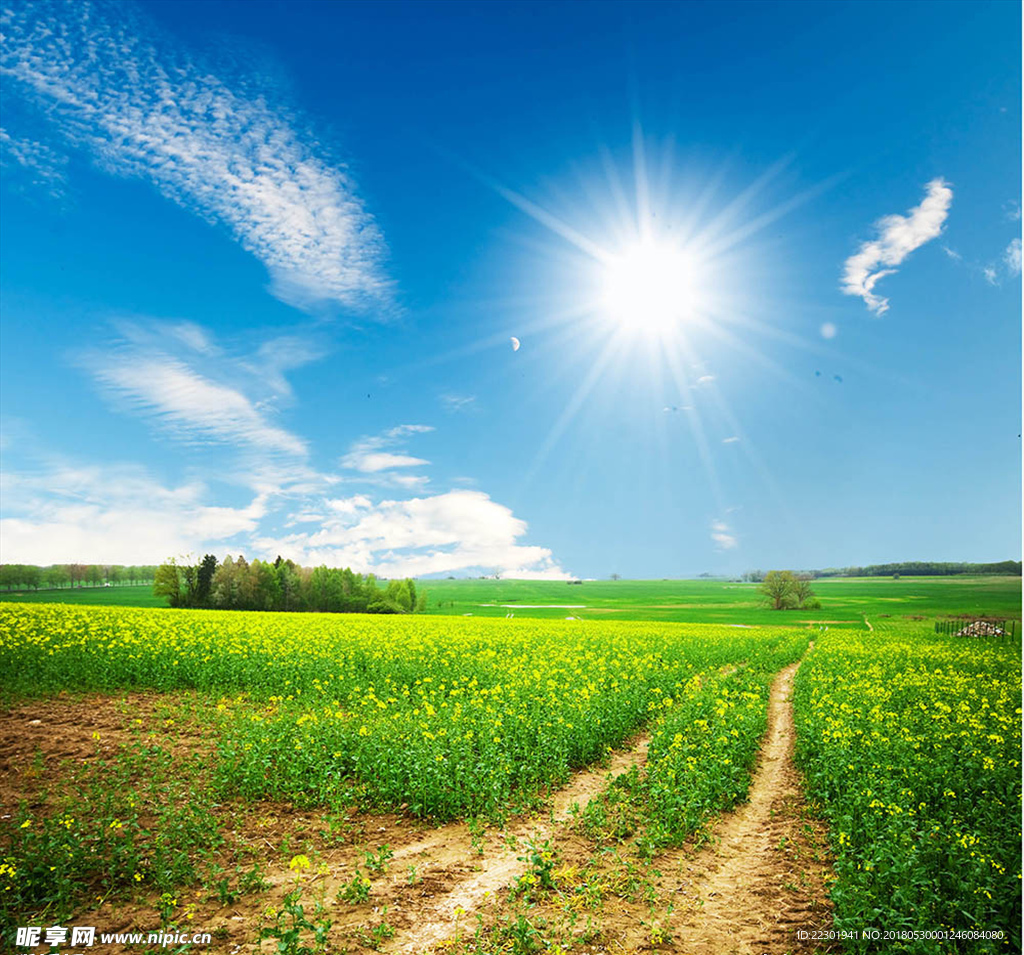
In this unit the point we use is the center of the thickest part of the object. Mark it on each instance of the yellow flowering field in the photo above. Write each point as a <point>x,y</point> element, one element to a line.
<point>438,717</point>
<point>912,743</point>
<point>443,715</point>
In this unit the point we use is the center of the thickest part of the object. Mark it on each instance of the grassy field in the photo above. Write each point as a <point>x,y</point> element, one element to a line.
<point>844,601</point>
<point>257,775</point>
<point>118,596</point>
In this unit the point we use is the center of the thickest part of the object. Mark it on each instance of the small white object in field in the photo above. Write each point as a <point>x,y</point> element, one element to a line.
<point>515,343</point>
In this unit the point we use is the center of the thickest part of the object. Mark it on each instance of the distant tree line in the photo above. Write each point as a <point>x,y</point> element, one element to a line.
<point>59,576</point>
<point>908,568</point>
<point>238,584</point>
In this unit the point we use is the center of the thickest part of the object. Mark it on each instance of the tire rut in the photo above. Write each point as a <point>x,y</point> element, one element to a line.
<point>438,918</point>
<point>766,874</point>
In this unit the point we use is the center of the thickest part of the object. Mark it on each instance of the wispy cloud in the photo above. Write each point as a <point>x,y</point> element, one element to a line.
<point>730,440</point>
<point>722,536</point>
<point>188,391</point>
<point>898,236</point>
<point>991,275</point>
<point>46,167</point>
<point>369,455</point>
<point>1012,257</point>
<point>454,403</point>
<point>114,87</point>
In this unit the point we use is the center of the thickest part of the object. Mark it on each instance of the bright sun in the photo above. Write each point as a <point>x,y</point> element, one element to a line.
<point>649,288</point>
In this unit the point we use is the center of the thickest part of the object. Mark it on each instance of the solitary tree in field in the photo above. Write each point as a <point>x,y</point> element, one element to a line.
<point>779,589</point>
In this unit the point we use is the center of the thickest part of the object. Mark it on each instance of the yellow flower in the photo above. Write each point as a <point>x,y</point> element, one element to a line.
<point>298,863</point>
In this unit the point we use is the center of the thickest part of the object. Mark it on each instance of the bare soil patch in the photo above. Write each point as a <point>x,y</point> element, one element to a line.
<point>38,737</point>
<point>767,873</point>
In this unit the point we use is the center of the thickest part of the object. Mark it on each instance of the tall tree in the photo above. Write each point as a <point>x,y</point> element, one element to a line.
<point>204,580</point>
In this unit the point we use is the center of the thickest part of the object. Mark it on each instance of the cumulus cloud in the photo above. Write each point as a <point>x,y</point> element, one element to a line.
<point>458,531</point>
<point>898,236</point>
<point>722,536</point>
<point>368,454</point>
<point>116,89</point>
<point>1012,257</point>
<point>112,514</point>
<point>61,512</point>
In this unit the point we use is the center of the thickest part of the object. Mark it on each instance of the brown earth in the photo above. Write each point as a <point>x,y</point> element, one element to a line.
<point>767,873</point>
<point>38,738</point>
<point>763,876</point>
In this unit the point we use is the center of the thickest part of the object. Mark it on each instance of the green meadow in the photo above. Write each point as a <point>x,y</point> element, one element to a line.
<point>124,596</point>
<point>845,601</point>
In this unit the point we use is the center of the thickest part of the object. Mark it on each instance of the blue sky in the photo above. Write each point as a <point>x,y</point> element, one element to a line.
<point>261,266</point>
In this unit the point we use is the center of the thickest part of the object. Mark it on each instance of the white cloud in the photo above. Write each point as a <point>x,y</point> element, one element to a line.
<point>368,456</point>
<point>1012,210</point>
<point>188,404</point>
<point>455,403</point>
<point>553,572</point>
<point>458,531</point>
<point>112,514</point>
<point>705,379</point>
<point>898,236</point>
<point>991,276</point>
<point>952,253</point>
<point>1012,257</point>
<point>372,461</point>
<point>48,168</point>
<point>179,378</point>
<point>61,512</point>
<point>730,440</point>
<point>115,88</point>
<point>829,330</point>
<point>722,535</point>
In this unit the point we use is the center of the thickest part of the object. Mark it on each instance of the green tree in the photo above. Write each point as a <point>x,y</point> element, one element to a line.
<point>802,591</point>
<point>56,576</point>
<point>778,589</point>
<point>169,583</point>
<point>204,580</point>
